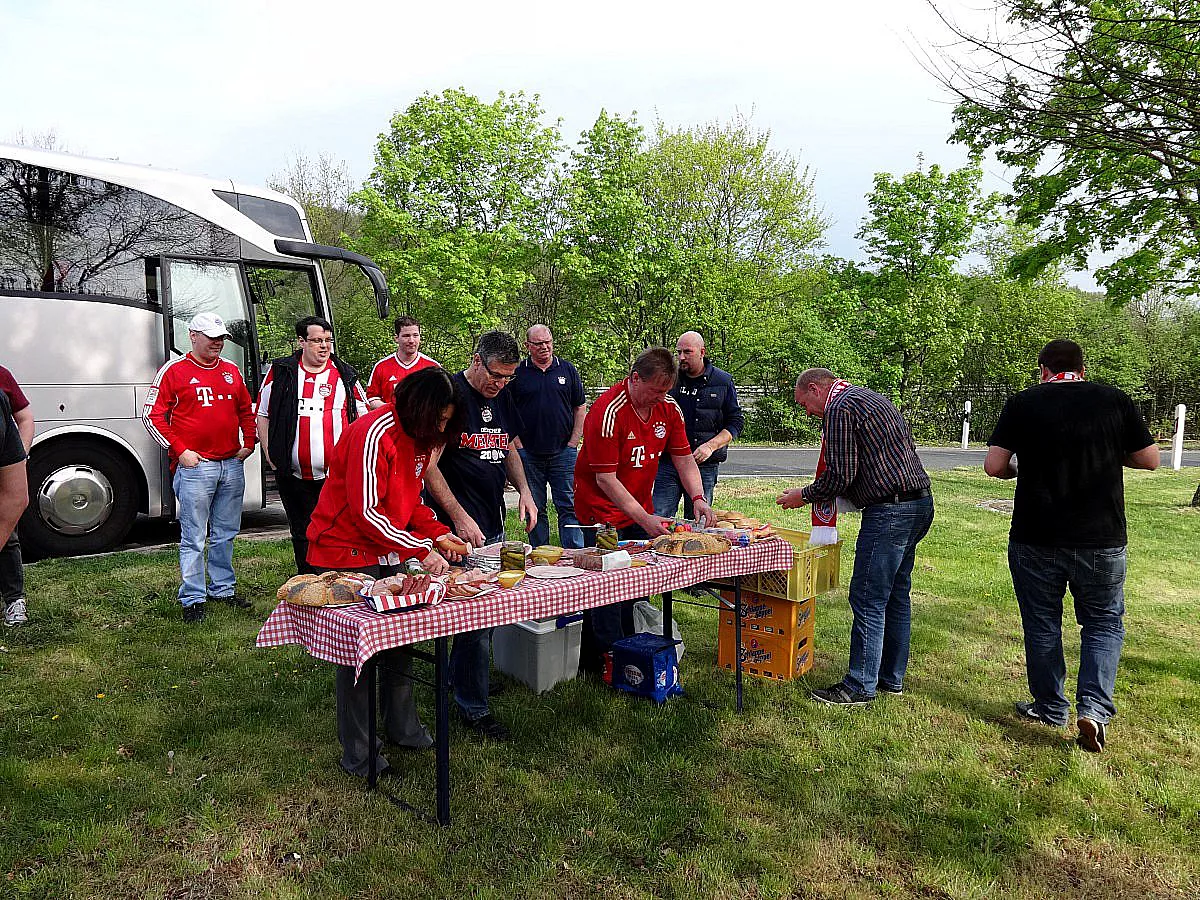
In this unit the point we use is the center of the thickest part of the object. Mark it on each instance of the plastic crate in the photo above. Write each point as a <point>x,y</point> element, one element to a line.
<point>774,657</point>
<point>646,665</point>
<point>540,652</point>
<point>814,570</point>
<point>770,615</point>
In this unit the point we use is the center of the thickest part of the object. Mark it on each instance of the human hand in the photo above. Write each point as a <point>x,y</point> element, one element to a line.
<point>704,511</point>
<point>701,453</point>
<point>791,499</point>
<point>189,459</point>
<point>527,510</point>
<point>466,528</point>
<point>245,454</point>
<point>654,526</point>
<point>435,564</point>
<point>453,548</point>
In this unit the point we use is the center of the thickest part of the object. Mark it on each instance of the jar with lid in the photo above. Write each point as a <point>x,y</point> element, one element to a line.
<point>606,538</point>
<point>512,556</point>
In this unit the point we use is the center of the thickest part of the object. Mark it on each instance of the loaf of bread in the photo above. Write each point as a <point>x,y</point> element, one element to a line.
<point>329,589</point>
<point>690,544</point>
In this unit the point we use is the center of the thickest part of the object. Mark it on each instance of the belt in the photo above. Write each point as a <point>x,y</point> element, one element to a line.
<point>903,496</point>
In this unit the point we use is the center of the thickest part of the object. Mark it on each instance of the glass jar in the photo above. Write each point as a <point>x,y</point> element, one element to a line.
<point>606,538</point>
<point>512,556</point>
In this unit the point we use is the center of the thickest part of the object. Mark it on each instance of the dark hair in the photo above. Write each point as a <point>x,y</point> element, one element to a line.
<point>404,322</point>
<point>1061,356</point>
<point>498,346</point>
<point>308,321</point>
<point>420,400</point>
<point>655,362</point>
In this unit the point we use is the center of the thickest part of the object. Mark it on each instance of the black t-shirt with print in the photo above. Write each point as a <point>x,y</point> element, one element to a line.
<point>1070,438</point>
<point>12,451</point>
<point>473,462</point>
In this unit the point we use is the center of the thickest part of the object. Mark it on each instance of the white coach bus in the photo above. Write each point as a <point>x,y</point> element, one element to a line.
<point>102,264</point>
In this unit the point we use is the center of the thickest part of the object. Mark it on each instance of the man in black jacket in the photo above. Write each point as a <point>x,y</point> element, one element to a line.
<point>307,399</point>
<point>708,400</point>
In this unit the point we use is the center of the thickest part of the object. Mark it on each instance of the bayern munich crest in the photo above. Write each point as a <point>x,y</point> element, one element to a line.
<point>228,378</point>
<point>486,414</point>
<point>660,430</point>
<point>324,390</point>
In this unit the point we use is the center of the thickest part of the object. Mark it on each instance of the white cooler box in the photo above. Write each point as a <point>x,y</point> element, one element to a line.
<point>540,652</point>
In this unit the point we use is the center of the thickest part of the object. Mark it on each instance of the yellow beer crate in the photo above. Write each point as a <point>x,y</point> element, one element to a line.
<point>769,615</point>
<point>775,657</point>
<point>814,570</point>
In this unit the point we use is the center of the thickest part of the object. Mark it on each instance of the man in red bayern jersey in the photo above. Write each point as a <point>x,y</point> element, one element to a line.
<point>306,402</point>
<point>625,435</point>
<point>391,370</point>
<point>199,409</point>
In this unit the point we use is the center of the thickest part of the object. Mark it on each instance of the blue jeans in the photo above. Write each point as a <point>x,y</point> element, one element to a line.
<point>470,665</point>
<point>208,502</point>
<point>557,471</point>
<point>668,489</point>
<point>879,593</point>
<point>605,625</point>
<point>1040,577</point>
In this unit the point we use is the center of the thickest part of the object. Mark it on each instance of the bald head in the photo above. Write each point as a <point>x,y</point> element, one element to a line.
<point>690,350</point>
<point>540,344</point>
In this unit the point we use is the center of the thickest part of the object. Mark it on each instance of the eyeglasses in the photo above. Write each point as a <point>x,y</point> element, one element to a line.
<point>320,342</point>
<point>494,376</point>
<point>539,343</point>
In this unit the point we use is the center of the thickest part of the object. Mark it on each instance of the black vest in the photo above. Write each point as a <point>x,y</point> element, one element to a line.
<point>283,413</point>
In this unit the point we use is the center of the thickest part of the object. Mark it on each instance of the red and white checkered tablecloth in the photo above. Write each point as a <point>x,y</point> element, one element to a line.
<point>351,635</point>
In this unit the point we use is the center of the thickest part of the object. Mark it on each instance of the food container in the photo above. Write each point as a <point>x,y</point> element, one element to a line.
<point>512,557</point>
<point>539,653</point>
<point>606,538</point>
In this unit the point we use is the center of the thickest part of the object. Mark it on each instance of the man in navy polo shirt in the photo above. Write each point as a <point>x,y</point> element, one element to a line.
<point>549,393</point>
<point>709,403</point>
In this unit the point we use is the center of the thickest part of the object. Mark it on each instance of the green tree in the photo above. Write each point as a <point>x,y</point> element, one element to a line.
<point>1096,105</point>
<point>918,227</point>
<point>454,210</point>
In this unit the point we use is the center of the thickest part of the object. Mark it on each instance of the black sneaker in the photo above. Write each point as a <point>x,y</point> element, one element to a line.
<point>1091,735</point>
<point>1026,711</point>
<point>232,600</point>
<point>488,727</point>
<point>194,613</point>
<point>838,695</point>
<point>887,689</point>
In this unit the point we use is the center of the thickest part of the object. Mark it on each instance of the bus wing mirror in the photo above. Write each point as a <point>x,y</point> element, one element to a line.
<point>310,250</point>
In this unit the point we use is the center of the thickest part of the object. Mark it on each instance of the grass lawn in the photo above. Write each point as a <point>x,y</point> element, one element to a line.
<point>940,793</point>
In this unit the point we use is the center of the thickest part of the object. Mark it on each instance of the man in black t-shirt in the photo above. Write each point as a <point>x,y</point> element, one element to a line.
<point>1071,438</point>
<point>14,487</point>
<point>466,488</point>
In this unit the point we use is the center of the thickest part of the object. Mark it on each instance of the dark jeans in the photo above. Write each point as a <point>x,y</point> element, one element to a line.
<point>605,625</point>
<point>558,472</point>
<point>399,711</point>
<point>470,666</point>
<point>1096,577</point>
<point>668,489</point>
<point>879,593</point>
<point>12,571</point>
<point>299,498</point>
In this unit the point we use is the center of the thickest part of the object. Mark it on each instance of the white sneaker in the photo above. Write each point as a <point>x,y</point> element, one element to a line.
<point>15,614</point>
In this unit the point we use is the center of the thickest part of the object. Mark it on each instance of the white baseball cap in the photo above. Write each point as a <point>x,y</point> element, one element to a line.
<point>209,324</point>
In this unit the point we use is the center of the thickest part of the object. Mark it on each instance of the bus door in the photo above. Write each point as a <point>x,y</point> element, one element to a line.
<point>281,296</point>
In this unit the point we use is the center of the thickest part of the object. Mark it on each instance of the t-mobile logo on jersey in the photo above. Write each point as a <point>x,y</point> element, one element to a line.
<point>205,395</point>
<point>638,455</point>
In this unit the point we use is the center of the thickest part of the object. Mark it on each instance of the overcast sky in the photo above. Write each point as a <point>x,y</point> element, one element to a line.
<point>236,89</point>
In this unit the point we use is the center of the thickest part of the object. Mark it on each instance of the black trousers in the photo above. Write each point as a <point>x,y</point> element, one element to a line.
<point>12,572</point>
<point>299,498</point>
<point>605,625</point>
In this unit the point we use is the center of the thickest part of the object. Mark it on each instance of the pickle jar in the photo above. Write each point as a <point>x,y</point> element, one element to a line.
<point>512,556</point>
<point>606,538</point>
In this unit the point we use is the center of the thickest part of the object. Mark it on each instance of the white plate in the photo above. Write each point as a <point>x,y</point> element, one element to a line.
<point>554,571</point>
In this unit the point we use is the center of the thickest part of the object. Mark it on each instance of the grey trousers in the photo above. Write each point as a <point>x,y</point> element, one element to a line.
<point>399,721</point>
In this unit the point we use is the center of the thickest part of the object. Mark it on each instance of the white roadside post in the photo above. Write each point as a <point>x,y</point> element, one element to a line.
<point>1177,440</point>
<point>966,432</point>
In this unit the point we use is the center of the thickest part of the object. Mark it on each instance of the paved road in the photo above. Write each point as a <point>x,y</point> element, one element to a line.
<point>744,462</point>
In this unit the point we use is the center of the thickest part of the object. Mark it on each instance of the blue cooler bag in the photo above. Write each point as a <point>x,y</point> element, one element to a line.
<point>646,665</point>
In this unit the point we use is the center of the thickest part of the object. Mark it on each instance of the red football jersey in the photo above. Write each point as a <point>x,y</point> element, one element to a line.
<point>616,439</point>
<point>191,406</point>
<point>322,404</point>
<point>389,372</point>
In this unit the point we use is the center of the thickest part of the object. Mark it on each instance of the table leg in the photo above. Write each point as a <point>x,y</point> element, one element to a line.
<point>442,742</point>
<point>668,629</point>
<point>372,707</point>
<point>737,636</point>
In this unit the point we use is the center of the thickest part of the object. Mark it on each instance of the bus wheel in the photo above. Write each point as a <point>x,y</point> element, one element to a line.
<point>82,499</point>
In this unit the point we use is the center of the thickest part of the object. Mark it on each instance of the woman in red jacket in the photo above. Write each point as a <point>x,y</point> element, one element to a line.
<point>370,519</point>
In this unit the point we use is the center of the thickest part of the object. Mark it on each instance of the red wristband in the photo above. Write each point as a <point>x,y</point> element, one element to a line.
<point>697,498</point>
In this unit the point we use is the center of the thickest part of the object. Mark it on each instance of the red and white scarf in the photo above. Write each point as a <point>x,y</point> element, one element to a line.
<point>824,512</point>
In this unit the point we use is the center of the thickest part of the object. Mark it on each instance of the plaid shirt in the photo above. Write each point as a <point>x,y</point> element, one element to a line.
<point>869,451</point>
